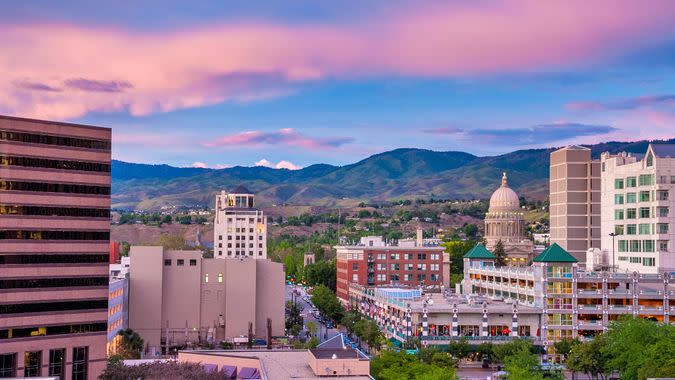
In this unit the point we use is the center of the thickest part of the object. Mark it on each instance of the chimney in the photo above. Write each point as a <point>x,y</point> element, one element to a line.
<point>420,237</point>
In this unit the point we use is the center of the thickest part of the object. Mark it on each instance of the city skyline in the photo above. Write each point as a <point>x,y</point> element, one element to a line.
<point>224,84</point>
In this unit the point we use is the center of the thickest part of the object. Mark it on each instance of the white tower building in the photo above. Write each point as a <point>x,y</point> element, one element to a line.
<point>239,229</point>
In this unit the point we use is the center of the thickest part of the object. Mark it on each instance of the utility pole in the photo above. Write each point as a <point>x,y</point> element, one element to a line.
<point>612,234</point>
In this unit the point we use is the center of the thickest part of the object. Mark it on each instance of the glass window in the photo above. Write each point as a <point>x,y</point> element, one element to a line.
<point>394,277</point>
<point>220,277</point>
<point>180,262</point>
<point>635,246</point>
<point>395,266</point>
<point>631,182</point>
<point>421,256</point>
<point>644,212</point>
<point>644,196</point>
<point>206,277</point>
<point>618,183</point>
<point>618,199</point>
<point>649,261</point>
<point>80,363</point>
<point>57,361</point>
<point>648,245</point>
<point>32,366</point>
<point>662,195</point>
<point>663,211</point>
<point>193,262</point>
<point>355,277</point>
<point>622,246</point>
<point>644,228</point>
<point>8,365</point>
<point>630,198</point>
<point>663,245</point>
<point>355,266</point>
<point>646,179</point>
<point>618,214</point>
<point>167,262</point>
<point>630,229</point>
<point>618,229</point>
<point>662,228</point>
<point>631,213</point>
<point>650,160</point>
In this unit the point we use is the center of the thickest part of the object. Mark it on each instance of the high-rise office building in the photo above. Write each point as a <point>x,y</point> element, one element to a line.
<point>575,200</point>
<point>54,244</point>
<point>636,202</point>
<point>239,228</point>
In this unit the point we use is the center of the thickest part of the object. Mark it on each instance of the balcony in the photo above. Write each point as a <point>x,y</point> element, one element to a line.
<point>620,309</point>
<point>477,339</point>
<point>591,309</point>
<point>593,293</point>
<point>589,325</point>
<point>650,309</point>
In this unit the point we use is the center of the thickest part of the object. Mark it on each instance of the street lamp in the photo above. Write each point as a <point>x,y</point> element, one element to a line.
<point>612,234</point>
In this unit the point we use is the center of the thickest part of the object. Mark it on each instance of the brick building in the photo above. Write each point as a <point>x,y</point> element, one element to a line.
<point>373,262</point>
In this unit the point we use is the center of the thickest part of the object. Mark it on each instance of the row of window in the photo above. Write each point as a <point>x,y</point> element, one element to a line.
<point>239,245</point>
<point>180,262</point>
<point>631,213</point>
<point>43,307</point>
<point>53,282</point>
<point>641,229</point>
<point>238,253</point>
<point>406,256</point>
<point>250,237</point>
<point>642,245</point>
<point>27,332</point>
<point>56,367</point>
<point>206,278</point>
<point>34,138</point>
<point>54,187</point>
<point>645,261</point>
<point>34,162</point>
<point>642,180</point>
<point>54,235</point>
<point>53,259</point>
<point>55,211</point>
<point>396,277</point>
<point>397,266</point>
<point>250,220</point>
<point>643,196</point>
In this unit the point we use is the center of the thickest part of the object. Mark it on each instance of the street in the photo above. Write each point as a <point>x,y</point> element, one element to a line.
<point>322,332</point>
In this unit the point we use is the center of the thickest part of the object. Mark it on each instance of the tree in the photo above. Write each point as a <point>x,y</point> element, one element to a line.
<point>500,254</point>
<point>131,344</point>
<point>368,331</point>
<point>588,358</point>
<point>564,346</point>
<point>459,349</point>
<point>158,370</point>
<point>523,365</point>
<point>124,248</point>
<point>470,230</point>
<point>321,273</point>
<point>167,219</point>
<point>325,300</point>
<point>293,317</point>
<point>350,319</point>
<point>172,242</point>
<point>502,351</point>
<point>289,265</point>
<point>392,365</point>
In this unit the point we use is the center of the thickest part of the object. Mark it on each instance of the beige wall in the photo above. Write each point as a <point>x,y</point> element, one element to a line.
<point>219,360</point>
<point>180,290</point>
<point>145,292</point>
<point>341,367</point>
<point>270,297</point>
<point>240,296</point>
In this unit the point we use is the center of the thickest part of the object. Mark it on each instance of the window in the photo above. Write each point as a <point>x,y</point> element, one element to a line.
<point>220,277</point>
<point>662,195</point>
<point>381,266</point>
<point>259,253</point>
<point>54,235</point>
<point>631,229</point>
<point>434,277</point>
<point>80,363</point>
<point>662,211</point>
<point>649,261</point>
<point>394,277</point>
<point>421,256</point>
<point>648,246</point>
<point>34,138</point>
<point>74,212</point>
<point>167,262</point>
<point>35,162</point>
<point>618,199</point>
<point>395,266</point>
<point>355,277</point>
<point>662,228</point>
<point>644,228</point>
<point>433,267</point>
<point>407,256</point>
<point>631,213</point>
<point>193,262</point>
<point>8,365</point>
<point>663,245</point>
<point>650,159</point>
<point>381,256</point>
<point>635,260</point>
<point>644,212</point>
<point>408,267</point>
<point>206,278</point>
<point>618,183</point>
<point>630,198</point>
<point>622,246</point>
<point>421,266</point>
<point>32,366</point>
<point>646,179</point>
<point>631,182</point>
<point>407,277</point>
<point>421,277</point>
<point>618,214</point>
<point>180,262</point>
<point>644,196</point>
<point>435,256</point>
<point>603,166</point>
<point>57,361</point>
<point>355,266</point>
<point>618,229</point>
<point>381,277</point>
<point>635,246</point>
<point>395,256</point>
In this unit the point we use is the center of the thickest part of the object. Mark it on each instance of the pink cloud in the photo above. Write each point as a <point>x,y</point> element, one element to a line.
<point>625,104</point>
<point>66,71</point>
<point>283,164</point>
<point>285,136</point>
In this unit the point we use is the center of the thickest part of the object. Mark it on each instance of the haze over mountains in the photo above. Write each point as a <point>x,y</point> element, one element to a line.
<point>400,173</point>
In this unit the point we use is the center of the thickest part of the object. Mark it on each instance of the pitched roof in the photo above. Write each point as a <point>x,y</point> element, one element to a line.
<point>555,254</point>
<point>241,190</point>
<point>664,150</point>
<point>479,252</point>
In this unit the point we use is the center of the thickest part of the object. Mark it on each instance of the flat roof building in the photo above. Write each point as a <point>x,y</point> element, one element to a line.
<point>239,228</point>
<point>177,298</point>
<point>54,248</point>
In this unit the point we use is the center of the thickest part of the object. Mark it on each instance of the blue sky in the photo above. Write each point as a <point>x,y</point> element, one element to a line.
<point>223,83</point>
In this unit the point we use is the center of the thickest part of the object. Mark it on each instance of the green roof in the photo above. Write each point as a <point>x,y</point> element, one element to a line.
<point>479,252</point>
<point>555,254</point>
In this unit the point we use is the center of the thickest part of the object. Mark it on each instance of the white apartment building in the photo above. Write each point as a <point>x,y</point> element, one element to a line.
<point>636,198</point>
<point>239,229</point>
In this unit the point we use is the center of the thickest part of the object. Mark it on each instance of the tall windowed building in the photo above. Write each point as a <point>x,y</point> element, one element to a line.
<point>239,228</point>
<point>637,196</point>
<point>54,243</point>
<point>575,200</point>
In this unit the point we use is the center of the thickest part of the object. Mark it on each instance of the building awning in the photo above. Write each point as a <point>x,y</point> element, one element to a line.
<point>229,371</point>
<point>249,373</point>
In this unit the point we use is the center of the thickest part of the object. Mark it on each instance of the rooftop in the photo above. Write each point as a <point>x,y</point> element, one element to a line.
<point>555,254</point>
<point>664,150</point>
<point>241,189</point>
<point>479,252</point>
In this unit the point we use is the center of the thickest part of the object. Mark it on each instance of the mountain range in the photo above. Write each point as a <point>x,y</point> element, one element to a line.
<point>396,174</point>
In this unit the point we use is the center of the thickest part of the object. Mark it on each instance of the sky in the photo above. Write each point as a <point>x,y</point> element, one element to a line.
<point>287,84</point>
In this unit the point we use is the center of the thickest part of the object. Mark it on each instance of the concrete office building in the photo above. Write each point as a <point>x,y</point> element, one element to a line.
<point>374,262</point>
<point>178,298</point>
<point>118,312</point>
<point>636,197</point>
<point>574,195</point>
<point>54,248</point>
<point>239,229</point>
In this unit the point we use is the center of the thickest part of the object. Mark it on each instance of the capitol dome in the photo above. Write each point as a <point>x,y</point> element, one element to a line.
<point>504,199</point>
